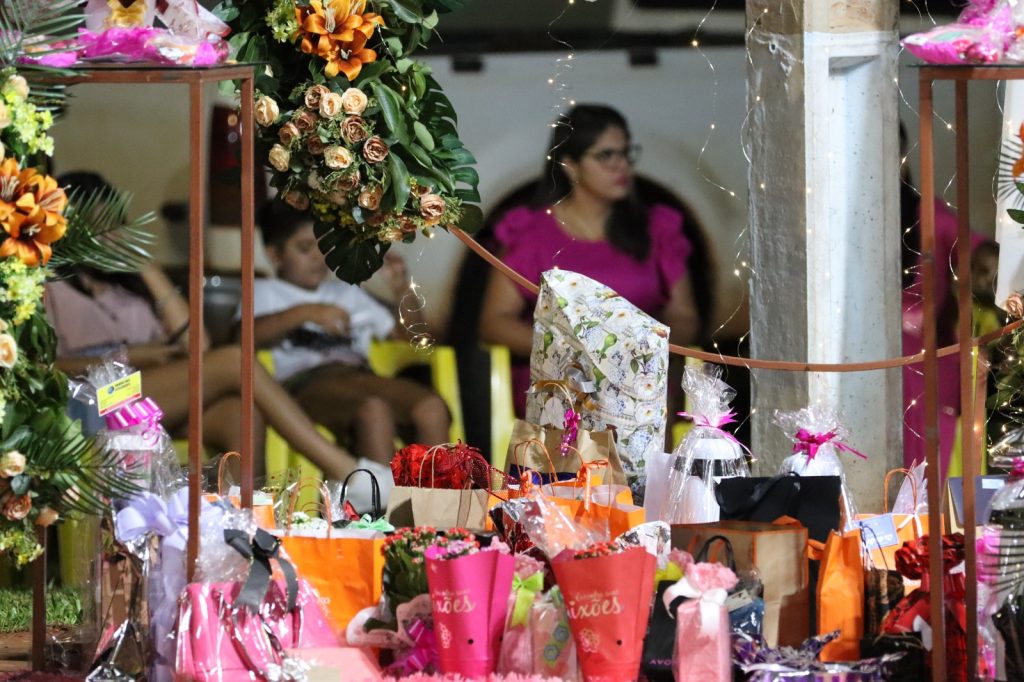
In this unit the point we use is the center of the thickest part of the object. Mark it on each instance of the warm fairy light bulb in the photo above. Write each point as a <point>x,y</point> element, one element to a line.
<point>694,43</point>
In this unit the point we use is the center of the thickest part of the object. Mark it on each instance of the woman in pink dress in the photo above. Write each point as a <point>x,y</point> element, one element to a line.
<point>590,221</point>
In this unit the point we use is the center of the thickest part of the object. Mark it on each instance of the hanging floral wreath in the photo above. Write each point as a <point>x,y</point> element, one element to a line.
<point>352,128</point>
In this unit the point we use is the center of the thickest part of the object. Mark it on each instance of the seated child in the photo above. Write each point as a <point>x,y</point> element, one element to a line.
<point>320,328</point>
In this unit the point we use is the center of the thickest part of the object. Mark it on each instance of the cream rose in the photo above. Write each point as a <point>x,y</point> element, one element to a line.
<point>338,197</point>
<point>18,85</point>
<point>338,157</point>
<point>16,507</point>
<point>266,111</point>
<point>353,101</point>
<point>297,200</point>
<point>5,116</point>
<point>353,129</point>
<point>375,150</point>
<point>1015,305</point>
<point>369,198</point>
<point>288,133</point>
<point>313,180</point>
<point>47,517</point>
<point>314,94</point>
<point>12,464</point>
<point>330,105</point>
<point>279,158</point>
<point>431,207</point>
<point>8,351</point>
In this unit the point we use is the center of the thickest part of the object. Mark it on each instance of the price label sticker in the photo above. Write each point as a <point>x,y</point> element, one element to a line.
<point>879,531</point>
<point>119,393</point>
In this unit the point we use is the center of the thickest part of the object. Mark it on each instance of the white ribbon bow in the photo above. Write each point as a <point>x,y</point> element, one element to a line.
<point>710,601</point>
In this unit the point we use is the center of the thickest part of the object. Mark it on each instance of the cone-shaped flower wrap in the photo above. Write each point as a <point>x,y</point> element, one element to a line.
<point>608,600</point>
<point>470,596</point>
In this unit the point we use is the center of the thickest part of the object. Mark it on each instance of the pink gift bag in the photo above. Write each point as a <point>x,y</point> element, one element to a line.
<point>703,651</point>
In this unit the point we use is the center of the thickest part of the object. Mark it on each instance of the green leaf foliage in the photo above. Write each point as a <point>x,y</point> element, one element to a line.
<point>100,234</point>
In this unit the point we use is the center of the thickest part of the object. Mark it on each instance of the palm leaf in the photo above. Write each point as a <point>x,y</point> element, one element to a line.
<point>100,235</point>
<point>66,458</point>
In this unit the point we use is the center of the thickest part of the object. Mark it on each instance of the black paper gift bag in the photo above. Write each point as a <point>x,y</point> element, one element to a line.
<point>813,500</point>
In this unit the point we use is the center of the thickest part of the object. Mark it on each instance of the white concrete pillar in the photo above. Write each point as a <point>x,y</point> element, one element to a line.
<point>824,218</point>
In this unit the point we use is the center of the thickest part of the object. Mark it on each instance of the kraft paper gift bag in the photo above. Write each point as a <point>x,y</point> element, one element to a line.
<point>778,552</point>
<point>580,323</point>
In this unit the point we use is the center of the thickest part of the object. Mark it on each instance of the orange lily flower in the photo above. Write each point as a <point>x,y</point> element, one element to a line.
<point>31,213</point>
<point>337,31</point>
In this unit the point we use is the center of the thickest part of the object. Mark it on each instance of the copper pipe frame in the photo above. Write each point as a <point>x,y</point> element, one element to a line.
<point>195,79</point>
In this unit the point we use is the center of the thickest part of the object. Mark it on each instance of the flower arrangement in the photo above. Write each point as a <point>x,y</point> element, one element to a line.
<point>405,576</point>
<point>353,129</point>
<point>48,470</point>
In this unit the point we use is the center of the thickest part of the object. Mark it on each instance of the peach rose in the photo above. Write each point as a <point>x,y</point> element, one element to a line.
<point>353,101</point>
<point>369,198</point>
<point>266,111</point>
<point>288,133</point>
<point>16,507</point>
<point>8,351</point>
<point>12,464</point>
<point>375,150</point>
<point>5,116</point>
<point>431,207</point>
<point>314,94</point>
<point>353,129</point>
<point>279,158</point>
<point>330,105</point>
<point>338,197</point>
<point>305,120</point>
<point>297,200</point>
<point>349,182</point>
<point>47,517</point>
<point>1015,305</point>
<point>338,157</point>
<point>315,145</point>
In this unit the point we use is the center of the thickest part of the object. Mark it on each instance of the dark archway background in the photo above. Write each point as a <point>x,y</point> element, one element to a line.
<point>474,363</point>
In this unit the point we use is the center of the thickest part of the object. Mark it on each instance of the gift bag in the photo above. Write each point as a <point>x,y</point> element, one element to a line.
<point>445,486</point>
<point>607,615</point>
<point>232,631</point>
<point>883,589</point>
<point>707,453</point>
<point>885,533</point>
<point>814,501</point>
<point>778,553</point>
<point>345,566</point>
<point>840,593</point>
<point>703,647</point>
<point>470,600</point>
<point>745,602</point>
<point>660,642</point>
<point>581,323</point>
<point>593,446</point>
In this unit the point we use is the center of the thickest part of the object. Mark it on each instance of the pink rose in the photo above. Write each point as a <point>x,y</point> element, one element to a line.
<point>16,507</point>
<point>369,198</point>
<point>314,94</point>
<point>47,517</point>
<point>315,145</point>
<point>707,576</point>
<point>305,120</point>
<point>349,182</point>
<point>1015,305</point>
<point>353,129</point>
<point>297,200</point>
<point>431,208</point>
<point>288,133</point>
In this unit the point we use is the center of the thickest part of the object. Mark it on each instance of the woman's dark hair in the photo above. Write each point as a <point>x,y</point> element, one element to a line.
<point>86,183</point>
<point>575,132</point>
<point>278,222</point>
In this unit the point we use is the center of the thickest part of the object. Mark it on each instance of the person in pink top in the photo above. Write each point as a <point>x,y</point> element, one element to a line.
<point>590,221</point>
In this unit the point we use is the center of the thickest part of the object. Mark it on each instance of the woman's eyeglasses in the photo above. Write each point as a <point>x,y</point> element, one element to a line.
<point>607,157</point>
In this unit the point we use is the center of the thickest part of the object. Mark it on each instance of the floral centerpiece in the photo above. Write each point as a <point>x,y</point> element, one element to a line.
<point>48,470</point>
<point>353,129</point>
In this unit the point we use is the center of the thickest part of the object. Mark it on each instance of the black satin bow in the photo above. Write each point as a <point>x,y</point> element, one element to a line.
<point>259,552</point>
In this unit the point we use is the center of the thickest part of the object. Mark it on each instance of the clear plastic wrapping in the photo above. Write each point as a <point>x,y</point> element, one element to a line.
<point>707,454</point>
<point>1001,577</point>
<point>818,436</point>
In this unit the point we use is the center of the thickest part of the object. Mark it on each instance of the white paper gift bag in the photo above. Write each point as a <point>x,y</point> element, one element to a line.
<point>581,323</point>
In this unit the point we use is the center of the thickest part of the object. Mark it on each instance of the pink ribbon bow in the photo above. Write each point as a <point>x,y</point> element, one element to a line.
<point>423,654</point>
<point>571,430</point>
<point>721,420</point>
<point>143,411</point>
<point>810,443</point>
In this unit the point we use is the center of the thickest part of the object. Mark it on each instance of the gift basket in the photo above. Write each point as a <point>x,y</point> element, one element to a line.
<point>707,454</point>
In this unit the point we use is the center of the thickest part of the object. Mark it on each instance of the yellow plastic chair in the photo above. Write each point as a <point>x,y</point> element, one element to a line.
<point>503,414</point>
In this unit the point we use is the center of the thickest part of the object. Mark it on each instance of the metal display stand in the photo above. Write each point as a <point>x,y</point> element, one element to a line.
<point>195,79</point>
<point>972,388</point>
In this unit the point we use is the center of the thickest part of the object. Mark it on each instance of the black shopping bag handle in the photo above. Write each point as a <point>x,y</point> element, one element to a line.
<point>375,509</point>
<point>730,557</point>
<point>761,491</point>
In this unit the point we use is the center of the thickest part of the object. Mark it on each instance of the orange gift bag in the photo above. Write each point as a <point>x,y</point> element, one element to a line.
<point>840,593</point>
